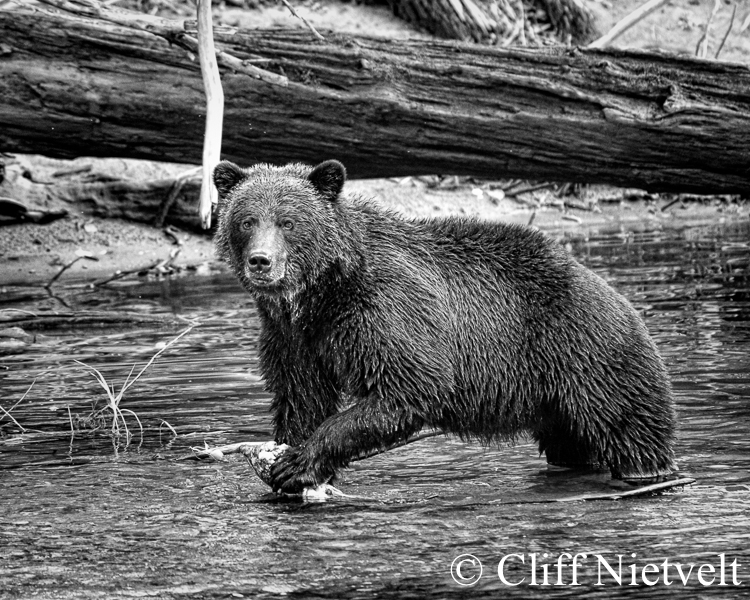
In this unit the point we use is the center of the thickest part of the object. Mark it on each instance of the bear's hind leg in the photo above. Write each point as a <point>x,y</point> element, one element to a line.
<point>638,460</point>
<point>567,451</point>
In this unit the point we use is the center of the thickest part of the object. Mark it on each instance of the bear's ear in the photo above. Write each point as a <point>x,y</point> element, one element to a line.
<point>328,178</point>
<point>226,176</point>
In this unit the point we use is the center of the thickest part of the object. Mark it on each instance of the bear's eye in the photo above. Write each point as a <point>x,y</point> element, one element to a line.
<point>247,225</point>
<point>287,224</point>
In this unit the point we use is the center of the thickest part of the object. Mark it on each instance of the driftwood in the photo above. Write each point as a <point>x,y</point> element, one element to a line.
<point>214,111</point>
<point>155,193</point>
<point>73,86</point>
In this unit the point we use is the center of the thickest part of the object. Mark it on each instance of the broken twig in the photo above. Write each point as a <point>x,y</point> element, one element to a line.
<point>726,34</point>
<point>641,491</point>
<point>174,193</point>
<point>159,266</point>
<point>305,21</point>
<point>218,452</point>
<point>626,23</point>
<point>234,63</point>
<point>634,493</point>
<point>67,266</point>
<point>745,23</point>
<point>526,189</point>
<point>701,50</point>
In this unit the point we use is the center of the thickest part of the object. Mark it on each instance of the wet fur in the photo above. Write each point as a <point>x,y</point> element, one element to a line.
<point>385,325</point>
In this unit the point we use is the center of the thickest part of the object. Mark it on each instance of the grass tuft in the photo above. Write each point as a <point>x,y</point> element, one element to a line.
<point>118,424</point>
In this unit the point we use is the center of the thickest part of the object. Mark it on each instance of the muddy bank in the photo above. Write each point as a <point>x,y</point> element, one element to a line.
<point>34,253</point>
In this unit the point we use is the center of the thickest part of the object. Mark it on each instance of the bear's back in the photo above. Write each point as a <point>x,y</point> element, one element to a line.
<point>465,258</point>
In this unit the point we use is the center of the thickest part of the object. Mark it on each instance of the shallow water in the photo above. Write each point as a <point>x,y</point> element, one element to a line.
<point>83,517</point>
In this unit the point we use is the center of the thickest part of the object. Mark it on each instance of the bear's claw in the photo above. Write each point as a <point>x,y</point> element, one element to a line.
<point>292,473</point>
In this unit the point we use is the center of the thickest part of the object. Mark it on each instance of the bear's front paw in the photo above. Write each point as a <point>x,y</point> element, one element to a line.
<point>293,471</point>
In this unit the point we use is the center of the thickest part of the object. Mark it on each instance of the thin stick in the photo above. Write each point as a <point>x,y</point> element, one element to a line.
<point>641,491</point>
<point>120,274</point>
<point>209,196</point>
<point>164,262</point>
<point>626,23</point>
<point>241,66</point>
<point>52,281</point>
<point>726,34</point>
<point>177,185</point>
<point>701,50</point>
<point>236,448</point>
<point>240,447</point>
<point>305,21</point>
<point>527,189</point>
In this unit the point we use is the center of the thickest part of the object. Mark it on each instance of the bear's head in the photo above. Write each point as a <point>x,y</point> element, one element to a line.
<point>277,225</point>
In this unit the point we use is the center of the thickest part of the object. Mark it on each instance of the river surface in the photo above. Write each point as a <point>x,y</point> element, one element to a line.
<point>86,515</point>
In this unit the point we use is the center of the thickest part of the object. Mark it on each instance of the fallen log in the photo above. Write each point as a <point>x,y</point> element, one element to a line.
<point>74,86</point>
<point>155,193</point>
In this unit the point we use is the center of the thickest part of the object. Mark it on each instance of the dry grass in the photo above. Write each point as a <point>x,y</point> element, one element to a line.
<point>117,422</point>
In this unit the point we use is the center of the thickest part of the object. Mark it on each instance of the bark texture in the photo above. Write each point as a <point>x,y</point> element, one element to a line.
<point>73,86</point>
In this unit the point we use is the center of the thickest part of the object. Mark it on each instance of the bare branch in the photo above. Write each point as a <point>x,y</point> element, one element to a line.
<point>728,31</point>
<point>701,50</point>
<point>626,23</point>
<point>305,21</point>
<point>214,111</point>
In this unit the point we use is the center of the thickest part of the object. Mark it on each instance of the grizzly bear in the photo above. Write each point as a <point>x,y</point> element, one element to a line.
<point>374,326</point>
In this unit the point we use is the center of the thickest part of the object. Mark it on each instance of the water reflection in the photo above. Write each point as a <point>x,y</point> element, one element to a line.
<point>79,520</point>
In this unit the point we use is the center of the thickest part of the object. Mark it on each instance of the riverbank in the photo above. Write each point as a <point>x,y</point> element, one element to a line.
<point>34,254</point>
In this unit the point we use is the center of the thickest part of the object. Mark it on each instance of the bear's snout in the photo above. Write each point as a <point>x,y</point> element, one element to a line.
<point>259,262</point>
<point>265,255</point>
<point>264,270</point>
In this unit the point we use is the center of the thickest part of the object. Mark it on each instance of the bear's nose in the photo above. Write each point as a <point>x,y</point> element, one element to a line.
<point>259,262</point>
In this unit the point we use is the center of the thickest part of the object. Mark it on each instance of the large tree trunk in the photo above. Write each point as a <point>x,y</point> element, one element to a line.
<point>72,86</point>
